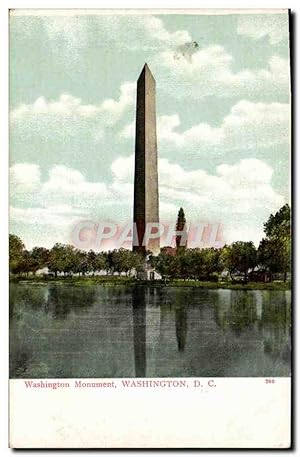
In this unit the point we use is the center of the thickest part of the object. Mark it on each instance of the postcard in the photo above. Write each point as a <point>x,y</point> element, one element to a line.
<point>150,229</point>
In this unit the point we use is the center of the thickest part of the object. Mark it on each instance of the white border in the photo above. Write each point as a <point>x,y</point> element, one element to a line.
<point>222,413</point>
<point>4,6</point>
<point>144,11</point>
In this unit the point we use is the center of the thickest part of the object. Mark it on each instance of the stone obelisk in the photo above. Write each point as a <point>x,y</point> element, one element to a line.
<point>145,177</point>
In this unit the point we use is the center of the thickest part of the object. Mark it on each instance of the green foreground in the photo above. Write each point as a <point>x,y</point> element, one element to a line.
<point>115,280</point>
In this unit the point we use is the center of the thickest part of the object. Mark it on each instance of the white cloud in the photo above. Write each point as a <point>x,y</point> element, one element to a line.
<point>122,169</point>
<point>157,30</point>
<point>257,124</point>
<point>56,216</point>
<point>240,196</point>
<point>69,118</point>
<point>210,71</point>
<point>68,186</point>
<point>166,129</point>
<point>258,26</point>
<point>129,130</point>
<point>75,33</point>
<point>248,125</point>
<point>69,31</point>
<point>65,196</point>
<point>247,171</point>
<point>68,106</point>
<point>26,175</point>
<point>25,179</point>
<point>64,188</point>
<point>166,126</point>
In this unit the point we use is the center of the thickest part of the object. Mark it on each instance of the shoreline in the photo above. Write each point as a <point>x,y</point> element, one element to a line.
<point>123,280</point>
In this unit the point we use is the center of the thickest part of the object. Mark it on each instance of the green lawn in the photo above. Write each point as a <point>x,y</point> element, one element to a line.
<point>112,280</point>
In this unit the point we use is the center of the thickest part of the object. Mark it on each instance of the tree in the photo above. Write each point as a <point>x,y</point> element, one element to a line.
<point>239,258</point>
<point>186,263</point>
<point>80,262</point>
<point>55,262</point>
<point>16,252</point>
<point>137,262</point>
<point>278,226</point>
<point>181,227</point>
<point>39,258</point>
<point>62,258</point>
<point>101,262</point>
<point>212,261</point>
<point>27,264</point>
<point>70,259</point>
<point>167,265</point>
<point>275,250</point>
<point>124,261</point>
<point>271,256</point>
<point>92,261</point>
<point>109,262</point>
<point>199,263</point>
<point>97,261</point>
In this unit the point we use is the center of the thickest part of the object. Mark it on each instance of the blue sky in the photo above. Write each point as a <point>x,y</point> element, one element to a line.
<point>223,119</point>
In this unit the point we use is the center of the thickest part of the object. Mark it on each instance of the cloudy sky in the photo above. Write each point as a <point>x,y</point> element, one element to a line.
<point>223,119</point>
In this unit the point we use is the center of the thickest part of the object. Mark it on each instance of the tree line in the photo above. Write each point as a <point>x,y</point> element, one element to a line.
<point>67,260</point>
<point>238,259</point>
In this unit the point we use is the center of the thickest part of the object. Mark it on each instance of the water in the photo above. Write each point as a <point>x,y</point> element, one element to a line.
<point>135,331</point>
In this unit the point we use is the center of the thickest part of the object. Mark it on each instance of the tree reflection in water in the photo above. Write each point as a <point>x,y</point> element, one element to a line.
<point>181,326</point>
<point>269,312</point>
<point>139,330</point>
<point>63,300</point>
<point>116,331</point>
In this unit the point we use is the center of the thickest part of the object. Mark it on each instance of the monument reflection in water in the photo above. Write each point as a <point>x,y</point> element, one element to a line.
<point>139,330</point>
<point>59,331</point>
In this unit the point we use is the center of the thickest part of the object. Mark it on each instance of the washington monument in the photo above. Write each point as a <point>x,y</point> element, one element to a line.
<point>145,207</point>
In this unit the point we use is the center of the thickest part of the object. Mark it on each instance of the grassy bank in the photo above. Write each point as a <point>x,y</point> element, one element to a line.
<point>77,280</point>
<point>277,285</point>
<point>122,280</point>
